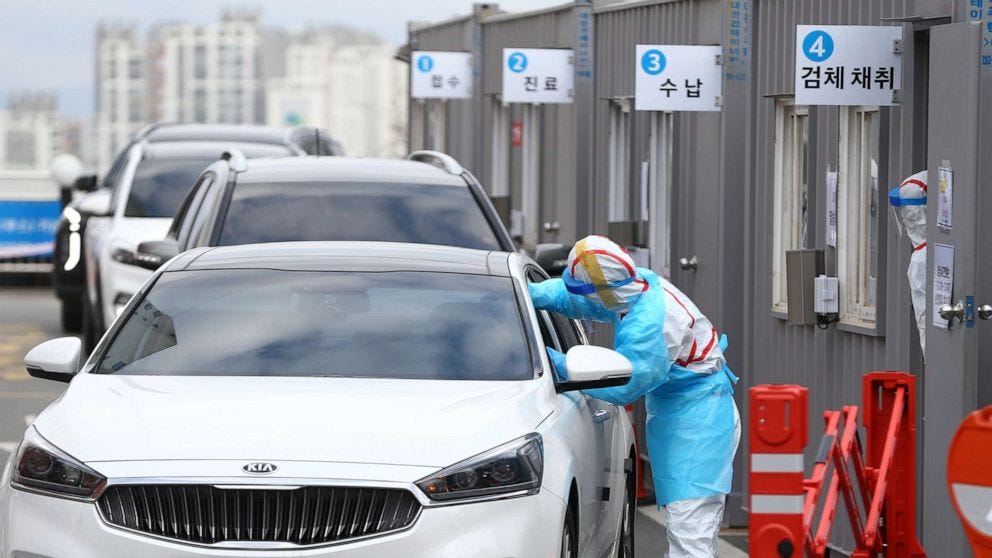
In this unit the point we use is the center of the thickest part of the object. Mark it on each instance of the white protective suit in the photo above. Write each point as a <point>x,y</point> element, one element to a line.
<point>910,202</point>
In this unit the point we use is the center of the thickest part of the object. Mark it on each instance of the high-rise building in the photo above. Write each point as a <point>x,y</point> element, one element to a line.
<point>119,80</point>
<point>209,74</point>
<point>29,135</point>
<point>346,82</point>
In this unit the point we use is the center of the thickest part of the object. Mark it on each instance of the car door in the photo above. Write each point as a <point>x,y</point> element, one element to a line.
<point>590,437</point>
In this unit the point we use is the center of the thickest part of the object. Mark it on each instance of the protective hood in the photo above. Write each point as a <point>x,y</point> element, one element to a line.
<point>910,202</point>
<point>603,272</point>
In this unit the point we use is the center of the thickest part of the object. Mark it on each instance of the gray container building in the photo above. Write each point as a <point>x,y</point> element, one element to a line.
<point>715,200</point>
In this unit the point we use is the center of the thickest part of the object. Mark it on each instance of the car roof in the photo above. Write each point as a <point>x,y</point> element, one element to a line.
<point>354,169</point>
<point>218,132</point>
<point>201,148</point>
<point>345,256</point>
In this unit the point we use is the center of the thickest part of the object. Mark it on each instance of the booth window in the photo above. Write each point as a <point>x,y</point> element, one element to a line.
<point>791,192</point>
<point>619,169</point>
<point>660,191</point>
<point>500,181</point>
<point>858,214</point>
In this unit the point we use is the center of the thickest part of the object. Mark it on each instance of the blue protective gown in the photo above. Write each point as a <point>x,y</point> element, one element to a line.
<point>690,425</point>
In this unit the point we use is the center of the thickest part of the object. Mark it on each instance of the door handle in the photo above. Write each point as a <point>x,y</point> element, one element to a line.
<point>689,264</point>
<point>601,415</point>
<point>949,312</point>
<point>985,312</point>
<point>552,226</point>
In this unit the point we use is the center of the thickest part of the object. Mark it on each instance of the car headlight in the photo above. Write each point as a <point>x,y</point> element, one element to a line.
<point>514,467</point>
<point>39,465</point>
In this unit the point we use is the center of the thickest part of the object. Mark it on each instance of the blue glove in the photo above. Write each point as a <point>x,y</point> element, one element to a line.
<point>558,363</point>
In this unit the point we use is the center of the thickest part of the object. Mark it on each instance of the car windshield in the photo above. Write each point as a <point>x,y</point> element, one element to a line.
<point>388,212</point>
<point>160,184</point>
<point>162,181</point>
<point>263,322</point>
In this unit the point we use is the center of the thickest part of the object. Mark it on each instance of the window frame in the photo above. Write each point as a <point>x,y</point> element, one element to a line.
<point>500,178</point>
<point>788,231</point>
<point>660,179</point>
<point>619,160</point>
<point>860,293</point>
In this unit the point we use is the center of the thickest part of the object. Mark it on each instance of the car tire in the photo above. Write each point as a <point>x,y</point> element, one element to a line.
<point>625,545</point>
<point>72,315</point>
<point>569,535</point>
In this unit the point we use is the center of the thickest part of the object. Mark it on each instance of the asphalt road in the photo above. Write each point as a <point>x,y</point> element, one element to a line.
<point>30,315</point>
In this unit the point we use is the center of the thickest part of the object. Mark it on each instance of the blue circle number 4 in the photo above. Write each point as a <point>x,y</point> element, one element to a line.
<point>818,45</point>
<point>653,62</point>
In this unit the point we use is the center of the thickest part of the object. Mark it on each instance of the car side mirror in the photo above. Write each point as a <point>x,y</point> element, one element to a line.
<point>592,367</point>
<point>151,254</point>
<point>86,183</point>
<point>55,359</point>
<point>553,258</point>
<point>95,204</point>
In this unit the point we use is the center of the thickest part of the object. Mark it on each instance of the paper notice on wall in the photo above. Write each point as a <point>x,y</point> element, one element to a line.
<point>943,281</point>
<point>832,208</point>
<point>945,197</point>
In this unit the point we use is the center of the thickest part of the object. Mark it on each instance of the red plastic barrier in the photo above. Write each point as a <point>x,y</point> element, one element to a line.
<point>882,482</point>
<point>969,478</point>
<point>777,435</point>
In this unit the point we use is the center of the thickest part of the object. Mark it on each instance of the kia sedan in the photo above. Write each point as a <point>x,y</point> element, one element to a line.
<point>326,399</point>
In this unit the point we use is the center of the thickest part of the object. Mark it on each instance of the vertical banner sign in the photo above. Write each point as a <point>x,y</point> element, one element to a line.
<point>678,78</point>
<point>440,75</point>
<point>848,65</point>
<point>738,40</point>
<point>832,208</point>
<point>943,281</point>
<point>945,197</point>
<point>537,75</point>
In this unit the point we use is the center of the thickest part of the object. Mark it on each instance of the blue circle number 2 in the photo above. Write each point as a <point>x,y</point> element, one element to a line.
<point>425,63</point>
<point>653,62</point>
<point>818,46</point>
<point>517,62</point>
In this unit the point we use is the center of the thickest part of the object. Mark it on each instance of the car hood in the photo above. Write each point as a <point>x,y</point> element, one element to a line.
<point>347,420</point>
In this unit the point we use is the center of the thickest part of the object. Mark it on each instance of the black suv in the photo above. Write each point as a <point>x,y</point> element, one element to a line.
<point>427,199</point>
<point>69,269</point>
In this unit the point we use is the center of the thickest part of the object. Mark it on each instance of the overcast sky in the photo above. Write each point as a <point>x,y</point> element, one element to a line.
<point>48,44</point>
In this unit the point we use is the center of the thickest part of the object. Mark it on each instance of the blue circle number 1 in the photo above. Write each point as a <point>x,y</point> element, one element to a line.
<point>425,63</point>
<point>653,62</point>
<point>818,45</point>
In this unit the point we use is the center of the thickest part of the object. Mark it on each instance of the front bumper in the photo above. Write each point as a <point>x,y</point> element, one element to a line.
<point>42,526</point>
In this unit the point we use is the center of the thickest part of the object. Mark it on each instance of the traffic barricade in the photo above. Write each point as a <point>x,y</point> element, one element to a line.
<point>969,480</point>
<point>877,486</point>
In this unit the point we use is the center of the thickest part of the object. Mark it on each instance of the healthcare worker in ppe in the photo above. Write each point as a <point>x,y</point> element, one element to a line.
<point>693,425</point>
<point>910,202</point>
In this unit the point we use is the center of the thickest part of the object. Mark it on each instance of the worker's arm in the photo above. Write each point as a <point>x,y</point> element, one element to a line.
<point>552,295</point>
<point>640,337</point>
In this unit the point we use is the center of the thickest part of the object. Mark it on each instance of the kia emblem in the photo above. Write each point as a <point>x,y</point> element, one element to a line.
<point>259,468</point>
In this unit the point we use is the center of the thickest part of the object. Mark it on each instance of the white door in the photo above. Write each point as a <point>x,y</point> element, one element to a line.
<point>531,175</point>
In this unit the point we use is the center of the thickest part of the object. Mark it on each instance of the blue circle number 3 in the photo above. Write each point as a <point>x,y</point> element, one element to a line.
<point>653,62</point>
<point>818,46</point>
<point>517,62</point>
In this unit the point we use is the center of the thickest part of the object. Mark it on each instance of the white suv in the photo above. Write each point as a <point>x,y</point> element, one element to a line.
<point>150,180</point>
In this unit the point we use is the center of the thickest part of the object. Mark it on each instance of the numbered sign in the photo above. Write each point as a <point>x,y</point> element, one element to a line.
<point>537,75</point>
<point>848,65</point>
<point>440,75</point>
<point>678,78</point>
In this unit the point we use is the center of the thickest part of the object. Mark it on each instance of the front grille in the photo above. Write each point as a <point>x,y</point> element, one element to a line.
<point>310,515</point>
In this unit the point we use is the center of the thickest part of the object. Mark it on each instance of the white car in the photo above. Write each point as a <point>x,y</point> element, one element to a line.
<point>327,399</point>
<point>147,184</point>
